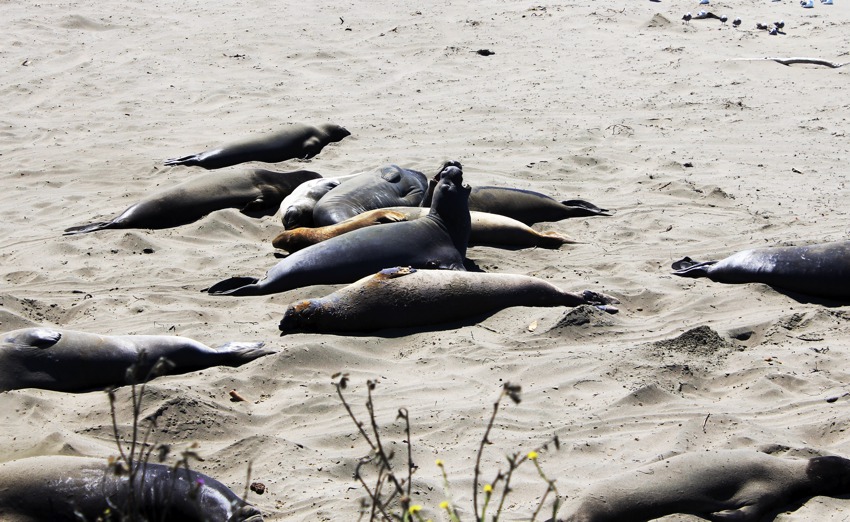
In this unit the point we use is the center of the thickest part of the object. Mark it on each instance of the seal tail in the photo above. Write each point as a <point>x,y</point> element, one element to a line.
<point>581,208</point>
<point>91,227</point>
<point>687,267</point>
<point>188,161</point>
<point>239,353</point>
<point>553,240</point>
<point>234,286</point>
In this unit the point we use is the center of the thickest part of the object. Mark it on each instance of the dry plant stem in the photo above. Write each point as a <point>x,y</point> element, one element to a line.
<point>385,461</point>
<point>402,412</point>
<point>353,418</point>
<point>484,441</point>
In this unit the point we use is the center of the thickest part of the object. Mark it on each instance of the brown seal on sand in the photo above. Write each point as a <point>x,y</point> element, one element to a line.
<point>404,297</point>
<point>71,361</point>
<point>297,141</point>
<point>487,229</point>
<point>64,489</point>
<point>724,485</point>
<point>820,270</point>
<point>438,240</point>
<point>256,193</point>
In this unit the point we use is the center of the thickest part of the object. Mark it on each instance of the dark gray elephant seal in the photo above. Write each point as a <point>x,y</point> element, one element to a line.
<point>487,229</point>
<point>297,141</point>
<point>388,186</point>
<point>438,240</point>
<point>821,270</point>
<point>256,193</point>
<point>404,297</point>
<point>725,485</point>
<point>69,489</point>
<point>526,206</point>
<point>71,361</point>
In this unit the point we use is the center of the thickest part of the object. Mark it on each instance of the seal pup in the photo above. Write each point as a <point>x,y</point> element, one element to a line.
<point>404,297</point>
<point>387,186</point>
<point>255,194</point>
<point>526,206</point>
<point>71,361</point>
<point>296,209</point>
<point>487,229</point>
<point>438,240</point>
<point>297,141</point>
<point>820,270</point>
<point>740,485</point>
<point>62,488</point>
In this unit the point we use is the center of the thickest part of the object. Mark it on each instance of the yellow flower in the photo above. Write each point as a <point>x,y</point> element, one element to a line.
<point>444,505</point>
<point>488,488</point>
<point>532,455</point>
<point>440,462</point>
<point>415,508</point>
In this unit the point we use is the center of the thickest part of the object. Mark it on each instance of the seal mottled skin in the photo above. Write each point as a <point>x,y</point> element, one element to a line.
<point>487,229</point>
<point>724,485</point>
<point>821,270</point>
<point>438,240</point>
<point>255,193</point>
<point>58,488</point>
<point>71,361</point>
<point>404,297</point>
<point>296,141</point>
<point>526,206</point>
<point>388,186</point>
<point>296,209</point>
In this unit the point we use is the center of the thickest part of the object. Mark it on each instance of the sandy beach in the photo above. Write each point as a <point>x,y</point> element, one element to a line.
<point>699,145</point>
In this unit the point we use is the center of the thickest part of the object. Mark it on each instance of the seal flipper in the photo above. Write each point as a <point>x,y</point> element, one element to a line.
<point>91,227</point>
<point>41,337</point>
<point>687,267</point>
<point>581,208</point>
<point>742,514</point>
<point>230,285</point>
<point>239,353</point>
<point>190,160</point>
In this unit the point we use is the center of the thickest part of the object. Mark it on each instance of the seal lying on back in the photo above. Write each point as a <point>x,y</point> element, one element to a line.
<point>406,297</point>
<point>437,240</point>
<point>297,141</point>
<point>487,229</point>
<point>256,193</point>
<point>70,361</point>
<point>66,489</point>
<point>739,485</point>
<point>296,209</point>
<point>821,270</point>
<point>525,206</point>
<point>388,186</point>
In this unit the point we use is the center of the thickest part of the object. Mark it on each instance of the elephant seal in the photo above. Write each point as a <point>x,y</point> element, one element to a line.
<point>388,186</point>
<point>297,141</point>
<point>487,229</point>
<point>257,193</point>
<point>404,297</point>
<point>740,485</point>
<point>437,240</point>
<point>296,209</point>
<point>71,361</point>
<point>820,270</point>
<point>65,489</point>
<point>525,206</point>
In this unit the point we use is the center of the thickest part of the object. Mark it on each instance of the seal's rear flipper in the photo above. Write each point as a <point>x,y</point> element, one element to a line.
<point>229,286</point>
<point>189,161</point>
<point>687,267</point>
<point>581,208</point>
<point>238,353</point>
<point>91,227</point>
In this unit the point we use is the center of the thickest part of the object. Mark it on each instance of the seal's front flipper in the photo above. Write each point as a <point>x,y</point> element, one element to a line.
<point>41,337</point>
<point>91,227</point>
<point>582,208</point>
<point>238,353</point>
<point>687,267</point>
<point>189,160</point>
<point>743,514</point>
<point>228,286</point>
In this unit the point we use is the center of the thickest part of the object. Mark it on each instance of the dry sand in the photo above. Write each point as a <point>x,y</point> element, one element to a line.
<point>605,101</point>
